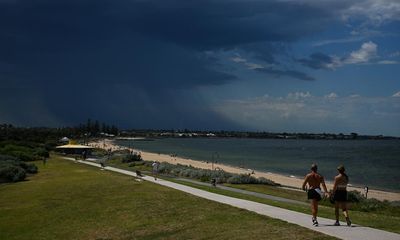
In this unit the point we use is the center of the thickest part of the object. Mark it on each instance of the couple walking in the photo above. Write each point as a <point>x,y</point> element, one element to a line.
<point>315,180</point>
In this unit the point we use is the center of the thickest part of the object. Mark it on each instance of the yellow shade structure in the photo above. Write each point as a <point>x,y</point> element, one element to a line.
<point>74,146</point>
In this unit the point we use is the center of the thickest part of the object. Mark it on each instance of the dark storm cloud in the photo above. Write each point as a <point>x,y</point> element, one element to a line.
<point>144,38</point>
<point>82,52</point>
<point>224,24</point>
<point>318,61</point>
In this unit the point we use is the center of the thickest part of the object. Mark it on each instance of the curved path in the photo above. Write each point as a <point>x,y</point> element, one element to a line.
<point>355,232</point>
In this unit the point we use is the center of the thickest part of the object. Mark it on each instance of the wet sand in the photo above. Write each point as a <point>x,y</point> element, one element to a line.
<point>284,180</point>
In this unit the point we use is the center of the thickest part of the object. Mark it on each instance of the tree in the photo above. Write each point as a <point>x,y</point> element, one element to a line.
<point>96,127</point>
<point>89,125</point>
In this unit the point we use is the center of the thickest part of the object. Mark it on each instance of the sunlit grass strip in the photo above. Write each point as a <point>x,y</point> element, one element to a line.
<point>384,221</point>
<point>66,200</point>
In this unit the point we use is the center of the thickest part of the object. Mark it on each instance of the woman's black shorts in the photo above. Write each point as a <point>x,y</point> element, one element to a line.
<point>340,196</point>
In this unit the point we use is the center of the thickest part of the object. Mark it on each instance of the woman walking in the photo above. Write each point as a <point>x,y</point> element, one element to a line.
<point>340,195</point>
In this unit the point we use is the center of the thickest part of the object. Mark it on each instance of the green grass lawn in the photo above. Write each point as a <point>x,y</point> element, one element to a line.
<point>378,219</point>
<point>67,200</point>
<point>386,219</point>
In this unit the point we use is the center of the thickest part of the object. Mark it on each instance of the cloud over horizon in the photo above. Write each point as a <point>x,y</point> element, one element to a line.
<point>302,110</point>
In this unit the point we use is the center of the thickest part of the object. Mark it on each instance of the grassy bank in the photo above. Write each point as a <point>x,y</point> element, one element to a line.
<point>66,200</point>
<point>385,219</point>
<point>381,216</point>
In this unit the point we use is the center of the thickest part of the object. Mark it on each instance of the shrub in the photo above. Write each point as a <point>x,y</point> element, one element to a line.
<point>134,164</point>
<point>360,203</point>
<point>131,158</point>
<point>266,181</point>
<point>7,158</point>
<point>248,179</point>
<point>12,169</point>
<point>42,152</point>
<point>50,144</point>
<point>29,167</point>
<point>372,204</point>
<point>242,179</point>
<point>12,173</point>
<point>355,196</point>
<point>205,175</point>
<point>21,152</point>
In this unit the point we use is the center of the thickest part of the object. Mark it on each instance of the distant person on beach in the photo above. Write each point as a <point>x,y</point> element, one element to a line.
<point>84,155</point>
<point>109,153</point>
<point>314,181</point>
<point>366,191</point>
<point>155,166</point>
<point>103,164</point>
<point>340,195</point>
<point>214,182</point>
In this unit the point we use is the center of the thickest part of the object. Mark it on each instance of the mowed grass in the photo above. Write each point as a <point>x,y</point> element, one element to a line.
<point>67,200</point>
<point>384,220</point>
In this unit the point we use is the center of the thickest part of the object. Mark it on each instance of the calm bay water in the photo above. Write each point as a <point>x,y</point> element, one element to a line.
<point>375,163</point>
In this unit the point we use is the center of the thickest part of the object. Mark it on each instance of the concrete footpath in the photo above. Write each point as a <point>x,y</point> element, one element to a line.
<point>355,232</point>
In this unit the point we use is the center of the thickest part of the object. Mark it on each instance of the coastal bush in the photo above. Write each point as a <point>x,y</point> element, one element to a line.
<point>395,203</point>
<point>355,196</point>
<point>242,179</point>
<point>50,144</point>
<point>11,173</point>
<point>28,152</point>
<point>358,202</point>
<point>205,175</point>
<point>138,163</point>
<point>371,204</point>
<point>42,152</point>
<point>12,169</point>
<point>266,181</point>
<point>29,167</point>
<point>131,158</point>
<point>248,179</point>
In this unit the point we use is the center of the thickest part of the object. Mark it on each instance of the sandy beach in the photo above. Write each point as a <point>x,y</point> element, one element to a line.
<point>284,180</point>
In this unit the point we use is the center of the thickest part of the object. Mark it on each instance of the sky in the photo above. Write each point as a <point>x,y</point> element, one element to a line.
<point>249,65</point>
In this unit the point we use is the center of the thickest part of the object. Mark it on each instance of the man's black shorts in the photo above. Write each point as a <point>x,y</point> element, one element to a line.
<point>312,194</point>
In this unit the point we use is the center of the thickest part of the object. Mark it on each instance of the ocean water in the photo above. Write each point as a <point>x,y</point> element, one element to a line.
<point>372,163</point>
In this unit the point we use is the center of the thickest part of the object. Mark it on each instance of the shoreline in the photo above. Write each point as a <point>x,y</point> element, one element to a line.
<point>284,180</point>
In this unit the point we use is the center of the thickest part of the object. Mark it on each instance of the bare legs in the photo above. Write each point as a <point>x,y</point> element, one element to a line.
<point>337,211</point>
<point>314,211</point>
<point>343,206</point>
<point>314,208</point>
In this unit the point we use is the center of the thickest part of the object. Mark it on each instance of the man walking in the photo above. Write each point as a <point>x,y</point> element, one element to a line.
<point>155,166</point>
<point>314,181</point>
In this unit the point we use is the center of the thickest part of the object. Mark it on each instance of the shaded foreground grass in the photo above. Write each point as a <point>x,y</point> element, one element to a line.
<point>66,200</point>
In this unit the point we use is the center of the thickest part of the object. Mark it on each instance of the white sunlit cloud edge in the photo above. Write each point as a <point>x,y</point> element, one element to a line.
<point>304,112</point>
